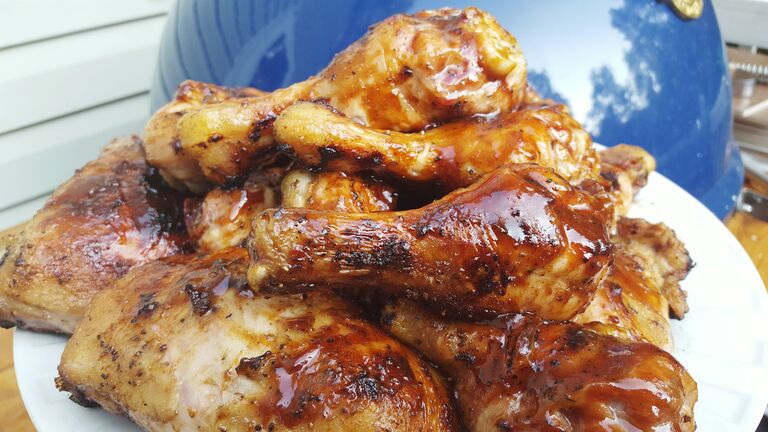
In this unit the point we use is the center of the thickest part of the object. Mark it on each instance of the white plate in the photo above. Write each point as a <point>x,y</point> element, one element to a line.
<point>723,340</point>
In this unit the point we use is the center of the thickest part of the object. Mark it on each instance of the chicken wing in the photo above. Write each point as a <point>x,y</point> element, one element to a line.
<point>519,239</point>
<point>519,373</point>
<point>406,73</point>
<point>113,214</point>
<point>162,142</point>
<point>183,344</point>
<point>649,263</point>
<point>222,219</point>
<point>453,155</point>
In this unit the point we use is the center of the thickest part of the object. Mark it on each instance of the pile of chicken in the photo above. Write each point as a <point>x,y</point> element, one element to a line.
<point>411,240</point>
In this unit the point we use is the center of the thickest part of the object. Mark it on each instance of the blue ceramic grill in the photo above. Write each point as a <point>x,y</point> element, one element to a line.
<point>632,71</point>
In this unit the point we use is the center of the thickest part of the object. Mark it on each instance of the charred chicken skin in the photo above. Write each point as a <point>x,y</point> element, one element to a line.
<point>438,65</point>
<point>113,214</point>
<point>519,373</point>
<point>183,344</point>
<point>644,279</point>
<point>453,155</point>
<point>519,239</point>
<point>668,261</point>
<point>624,170</point>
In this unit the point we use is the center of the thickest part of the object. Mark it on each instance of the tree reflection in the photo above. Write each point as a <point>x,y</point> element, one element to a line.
<point>669,84</point>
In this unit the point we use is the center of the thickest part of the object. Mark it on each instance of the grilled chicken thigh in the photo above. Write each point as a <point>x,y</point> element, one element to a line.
<point>223,218</point>
<point>519,239</point>
<point>113,214</point>
<point>454,154</point>
<point>162,141</point>
<point>649,263</point>
<point>183,344</point>
<point>519,373</point>
<point>406,73</point>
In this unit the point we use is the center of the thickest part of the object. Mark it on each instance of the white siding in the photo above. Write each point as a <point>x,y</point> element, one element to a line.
<point>743,21</point>
<point>73,75</point>
<point>28,21</point>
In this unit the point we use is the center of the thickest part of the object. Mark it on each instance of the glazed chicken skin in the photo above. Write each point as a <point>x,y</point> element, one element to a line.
<point>452,155</point>
<point>183,344</point>
<point>222,219</point>
<point>519,239</point>
<point>162,142</point>
<point>407,72</point>
<point>519,373</point>
<point>113,214</point>
<point>649,263</point>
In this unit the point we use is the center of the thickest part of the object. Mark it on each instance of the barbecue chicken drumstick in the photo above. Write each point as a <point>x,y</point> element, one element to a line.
<point>452,155</point>
<point>183,344</point>
<point>519,373</point>
<point>407,72</point>
<point>519,239</point>
<point>113,214</point>
<point>162,142</point>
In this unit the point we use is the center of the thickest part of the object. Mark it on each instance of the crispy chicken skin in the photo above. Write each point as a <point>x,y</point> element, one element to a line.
<point>336,191</point>
<point>624,170</point>
<point>453,154</point>
<point>161,137</point>
<point>519,239</point>
<point>183,344</point>
<point>113,214</point>
<point>519,373</point>
<point>649,263</point>
<point>635,161</point>
<point>222,219</point>
<point>407,72</point>
<point>667,260</point>
<point>228,139</point>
